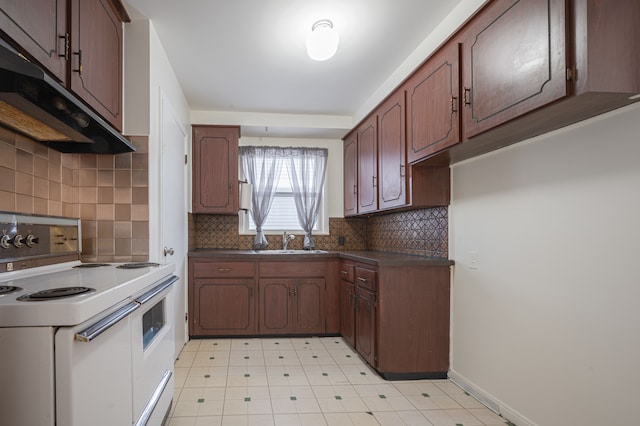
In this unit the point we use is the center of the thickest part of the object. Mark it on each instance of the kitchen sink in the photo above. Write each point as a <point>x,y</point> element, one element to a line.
<point>289,251</point>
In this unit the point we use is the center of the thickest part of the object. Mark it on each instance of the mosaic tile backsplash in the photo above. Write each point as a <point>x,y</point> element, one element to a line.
<point>419,232</point>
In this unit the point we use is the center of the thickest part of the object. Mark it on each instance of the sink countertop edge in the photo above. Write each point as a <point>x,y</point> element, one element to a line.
<point>371,257</point>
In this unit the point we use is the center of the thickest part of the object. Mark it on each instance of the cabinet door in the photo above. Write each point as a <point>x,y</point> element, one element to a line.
<point>433,99</point>
<point>308,296</point>
<point>96,57</point>
<point>514,56</point>
<point>366,324</point>
<point>215,169</point>
<point>222,307</point>
<point>367,166</point>
<point>43,35</point>
<point>290,306</point>
<point>350,175</point>
<point>347,312</point>
<point>275,306</point>
<point>392,144</point>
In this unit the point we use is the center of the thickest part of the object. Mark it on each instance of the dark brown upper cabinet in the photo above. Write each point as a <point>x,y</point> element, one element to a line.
<point>368,165</point>
<point>97,58</point>
<point>392,163</point>
<point>351,174</point>
<point>43,35</point>
<point>433,105</point>
<point>79,42</point>
<point>215,169</point>
<point>515,60</point>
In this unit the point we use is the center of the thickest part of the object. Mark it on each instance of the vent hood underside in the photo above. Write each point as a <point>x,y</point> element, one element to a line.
<point>34,104</point>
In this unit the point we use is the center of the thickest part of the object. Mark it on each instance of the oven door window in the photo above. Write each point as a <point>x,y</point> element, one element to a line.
<point>152,322</point>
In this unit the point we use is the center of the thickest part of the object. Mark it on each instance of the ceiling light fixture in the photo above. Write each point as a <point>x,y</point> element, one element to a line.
<point>322,43</point>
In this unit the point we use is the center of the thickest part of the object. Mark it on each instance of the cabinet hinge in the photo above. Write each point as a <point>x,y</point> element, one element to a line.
<point>571,74</point>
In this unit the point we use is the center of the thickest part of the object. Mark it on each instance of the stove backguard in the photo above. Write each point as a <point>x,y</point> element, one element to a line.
<point>29,241</point>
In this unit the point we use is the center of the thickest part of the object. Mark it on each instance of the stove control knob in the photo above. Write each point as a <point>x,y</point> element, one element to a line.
<point>31,240</point>
<point>4,241</point>
<point>18,240</point>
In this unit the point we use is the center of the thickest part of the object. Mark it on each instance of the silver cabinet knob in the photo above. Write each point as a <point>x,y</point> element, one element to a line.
<point>168,251</point>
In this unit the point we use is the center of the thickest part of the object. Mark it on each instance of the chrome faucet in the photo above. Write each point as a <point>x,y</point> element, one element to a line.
<point>285,239</point>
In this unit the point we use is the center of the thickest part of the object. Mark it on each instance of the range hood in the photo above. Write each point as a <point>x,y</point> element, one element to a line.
<point>34,104</point>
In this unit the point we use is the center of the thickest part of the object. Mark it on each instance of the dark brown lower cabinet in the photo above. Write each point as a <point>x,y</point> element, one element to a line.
<point>347,312</point>
<point>392,310</point>
<point>400,315</point>
<point>366,324</point>
<point>412,309</point>
<point>223,307</point>
<point>291,306</point>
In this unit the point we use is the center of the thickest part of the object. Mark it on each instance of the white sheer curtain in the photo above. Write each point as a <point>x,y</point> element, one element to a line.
<point>307,169</point>
<point>261,167</point>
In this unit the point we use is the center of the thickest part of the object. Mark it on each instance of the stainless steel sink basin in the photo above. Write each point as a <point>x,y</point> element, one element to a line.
<point>289,251</point>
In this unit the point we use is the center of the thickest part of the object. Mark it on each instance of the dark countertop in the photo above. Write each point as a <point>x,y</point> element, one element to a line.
<point>377,258</point>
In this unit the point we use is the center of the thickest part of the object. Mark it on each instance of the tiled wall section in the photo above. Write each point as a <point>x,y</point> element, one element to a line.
<point>221,232</point>
<point>109,193</point>
<point>420,232</point>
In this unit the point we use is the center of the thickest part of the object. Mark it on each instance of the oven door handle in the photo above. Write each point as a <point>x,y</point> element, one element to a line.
<point>102,325</point>
<point>145,297</point>
<point>153,401</point>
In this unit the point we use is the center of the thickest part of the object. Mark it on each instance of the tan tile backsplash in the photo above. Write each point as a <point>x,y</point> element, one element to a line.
<point>108,192</point>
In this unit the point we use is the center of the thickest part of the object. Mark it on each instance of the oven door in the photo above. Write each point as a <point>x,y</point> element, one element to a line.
<point>94,370</point>
<point>152,347</point>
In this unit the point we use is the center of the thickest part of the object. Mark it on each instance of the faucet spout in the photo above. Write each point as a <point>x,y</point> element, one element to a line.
<point>285,239</point>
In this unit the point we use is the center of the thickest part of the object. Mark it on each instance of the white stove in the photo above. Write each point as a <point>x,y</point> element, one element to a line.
<point>103,356</point>
<point>108,284</point>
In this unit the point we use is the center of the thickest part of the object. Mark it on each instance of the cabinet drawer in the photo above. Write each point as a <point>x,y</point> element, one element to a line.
<point>223,269</point>
<point>347,272</point>
<point>292,269</point>
<point>366,278</point>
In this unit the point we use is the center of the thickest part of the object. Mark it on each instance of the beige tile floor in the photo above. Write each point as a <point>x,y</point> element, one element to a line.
<point>308,382</point>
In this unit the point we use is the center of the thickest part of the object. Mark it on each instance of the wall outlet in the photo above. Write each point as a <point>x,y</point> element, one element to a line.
<point>340,240</point>
<point>473,260</point>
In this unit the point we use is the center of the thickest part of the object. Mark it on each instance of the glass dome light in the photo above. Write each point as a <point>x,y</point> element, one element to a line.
<point>322,42</point>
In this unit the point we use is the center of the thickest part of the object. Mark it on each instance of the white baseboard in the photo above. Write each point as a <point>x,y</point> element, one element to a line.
<point>493,403</point>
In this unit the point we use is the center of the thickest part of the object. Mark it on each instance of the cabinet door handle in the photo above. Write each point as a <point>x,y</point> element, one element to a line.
<point>79,54</point>
<point>454,104</point>
<point>355,189</point>
<point>295,290</point>
<point>467,96</point>
<point>374,181</point>
<point>224,269</point>
<point>402,168</point>
<point>65,47</point>
<point>364,280</point>
<point>344,272</point>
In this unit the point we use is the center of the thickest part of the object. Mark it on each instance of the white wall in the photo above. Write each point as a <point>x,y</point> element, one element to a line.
<point>150,85</point>
<point>548,324</point>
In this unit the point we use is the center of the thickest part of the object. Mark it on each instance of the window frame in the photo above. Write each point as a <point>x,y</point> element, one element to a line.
<point>322,222</point>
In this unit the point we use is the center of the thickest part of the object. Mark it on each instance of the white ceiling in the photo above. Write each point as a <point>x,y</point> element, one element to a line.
<point>248,56</point>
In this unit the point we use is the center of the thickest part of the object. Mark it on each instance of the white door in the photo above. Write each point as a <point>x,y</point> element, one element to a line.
<point>173,213</point>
